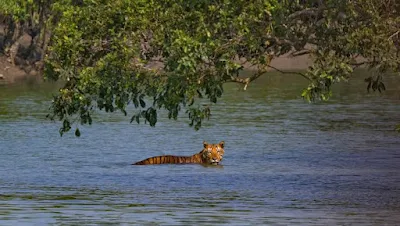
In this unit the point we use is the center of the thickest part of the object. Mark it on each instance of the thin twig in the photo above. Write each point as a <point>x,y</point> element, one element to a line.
<point>361,63</point>
<point>396,33</point>
<point>246,81</point>
<point>290,72</point>
<point>300,53</point>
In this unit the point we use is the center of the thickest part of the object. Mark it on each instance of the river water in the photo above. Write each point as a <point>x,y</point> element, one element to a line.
<point>286,162</point>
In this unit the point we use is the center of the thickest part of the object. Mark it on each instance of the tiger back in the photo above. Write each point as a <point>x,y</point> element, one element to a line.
<point>211,154</point>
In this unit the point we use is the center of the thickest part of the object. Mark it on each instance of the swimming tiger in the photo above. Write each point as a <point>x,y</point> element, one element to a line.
<point>211,154</point>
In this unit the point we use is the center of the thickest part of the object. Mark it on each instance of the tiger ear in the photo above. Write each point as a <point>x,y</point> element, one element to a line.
<point>221,144</point>
<point>205,144</point>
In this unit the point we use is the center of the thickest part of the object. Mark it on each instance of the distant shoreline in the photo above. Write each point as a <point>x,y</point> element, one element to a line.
<point>12,73</point>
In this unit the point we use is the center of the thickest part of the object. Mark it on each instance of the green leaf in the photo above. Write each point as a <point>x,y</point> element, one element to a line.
<point>135,102</point>
<point>114,53</point>
<point>77,132</point>
<point>123,111</point>
<point>142,103</point>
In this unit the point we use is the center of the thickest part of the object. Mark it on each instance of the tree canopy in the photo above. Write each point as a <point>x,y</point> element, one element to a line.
<point>172,54</point>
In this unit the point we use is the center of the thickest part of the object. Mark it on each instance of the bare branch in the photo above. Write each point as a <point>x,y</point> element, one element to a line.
<point>246,81</point>
<point>290,72</point>
<point>256,76</point>
<point>362,63</point>
<point>300,53</point>
<point>238,80</point>
<point>359,64</point>
<point>394,34</point>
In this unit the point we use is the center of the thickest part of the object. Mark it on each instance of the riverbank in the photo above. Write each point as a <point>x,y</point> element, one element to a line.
<point>20,71</point>
<point>10,73</point>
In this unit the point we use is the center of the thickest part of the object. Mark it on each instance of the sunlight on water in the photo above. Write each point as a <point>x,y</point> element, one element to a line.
<point>286,162</point>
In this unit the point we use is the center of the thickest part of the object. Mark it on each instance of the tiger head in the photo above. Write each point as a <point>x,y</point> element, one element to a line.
<point>212,153</point>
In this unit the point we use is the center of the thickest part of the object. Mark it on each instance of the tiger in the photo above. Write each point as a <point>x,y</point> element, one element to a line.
<point>210,155</point>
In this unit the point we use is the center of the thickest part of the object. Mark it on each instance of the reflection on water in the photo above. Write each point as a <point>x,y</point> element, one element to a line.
<point>286,162</point>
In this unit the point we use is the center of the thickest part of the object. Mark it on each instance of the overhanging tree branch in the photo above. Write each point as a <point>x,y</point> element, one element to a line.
<point>177,48</point>
<point>394,34</point>
<point>246,81</point>
<point>290,72</point>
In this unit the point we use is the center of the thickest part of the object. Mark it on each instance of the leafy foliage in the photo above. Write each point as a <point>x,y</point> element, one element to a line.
<point>170,54</point>
<point>14,8</point>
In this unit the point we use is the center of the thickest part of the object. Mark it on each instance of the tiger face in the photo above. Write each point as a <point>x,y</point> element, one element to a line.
<point>212,153</point>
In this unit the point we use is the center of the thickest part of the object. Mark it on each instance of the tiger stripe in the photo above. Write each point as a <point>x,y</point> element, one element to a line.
<point>211,154</point>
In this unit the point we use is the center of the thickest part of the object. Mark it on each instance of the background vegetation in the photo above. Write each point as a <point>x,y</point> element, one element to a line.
<point>172,54</point>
